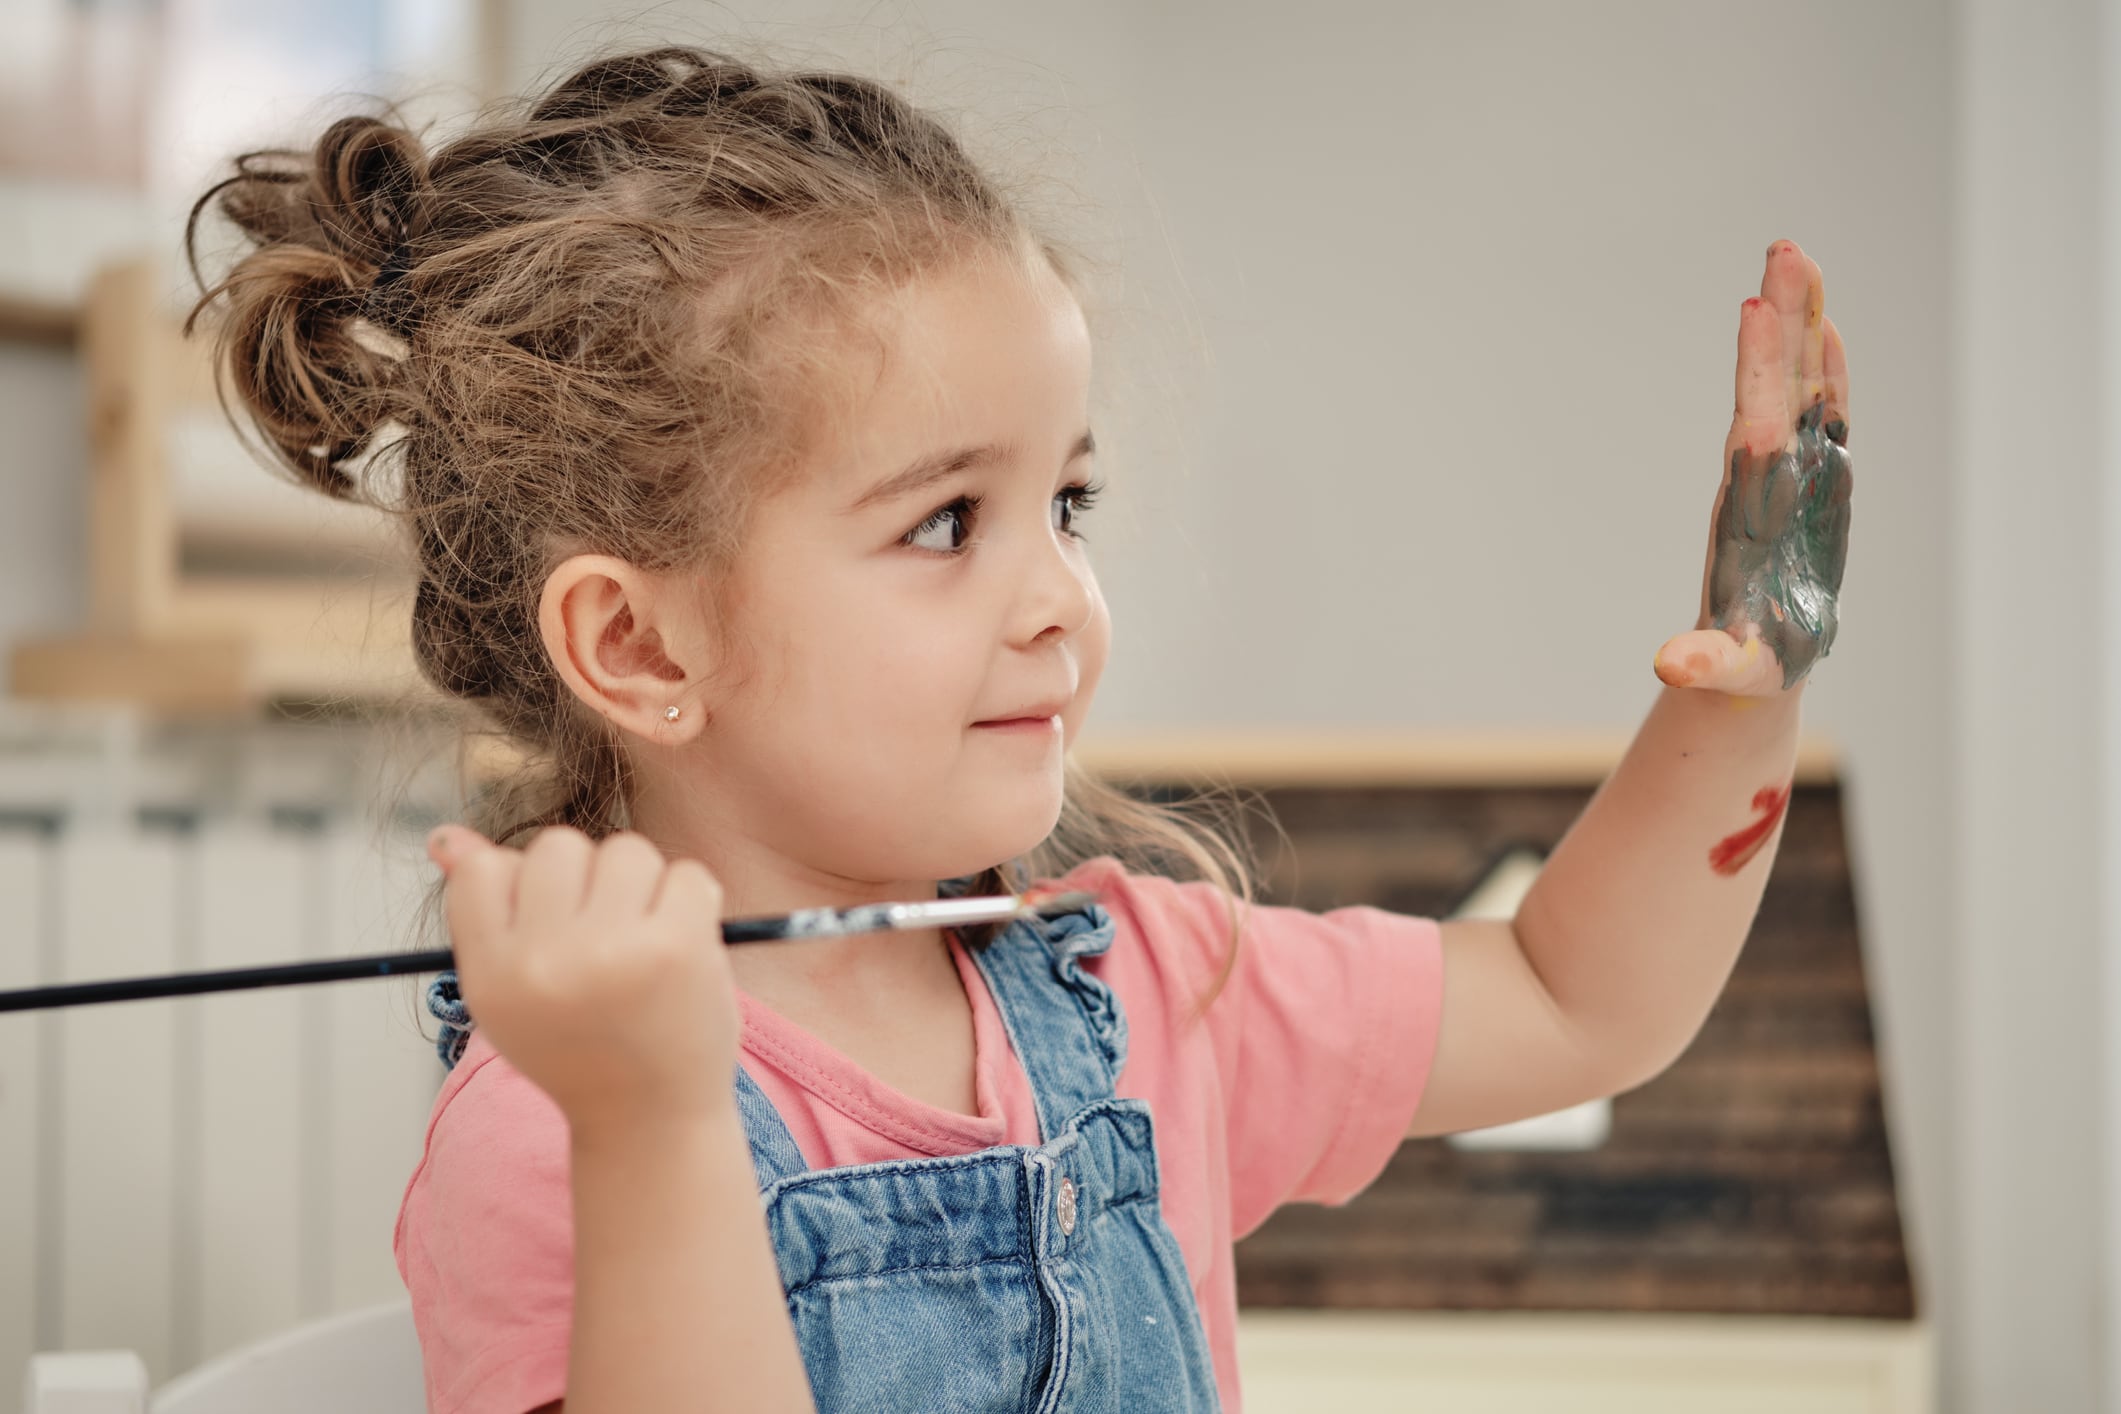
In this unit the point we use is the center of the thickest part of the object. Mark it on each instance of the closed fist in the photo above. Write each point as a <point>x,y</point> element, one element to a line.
<point>597,968</point>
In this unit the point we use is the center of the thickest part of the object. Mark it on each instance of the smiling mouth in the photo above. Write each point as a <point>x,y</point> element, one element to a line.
<point>1030,713</point>
<point>1022,723</point>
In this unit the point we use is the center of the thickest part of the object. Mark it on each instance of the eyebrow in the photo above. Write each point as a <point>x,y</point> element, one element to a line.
<point>934,467</point>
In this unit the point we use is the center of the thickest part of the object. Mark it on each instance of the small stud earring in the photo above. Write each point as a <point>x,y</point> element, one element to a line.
<point>670,713</point>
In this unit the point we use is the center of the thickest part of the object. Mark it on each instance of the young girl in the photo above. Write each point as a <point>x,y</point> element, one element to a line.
<point>745,445</point>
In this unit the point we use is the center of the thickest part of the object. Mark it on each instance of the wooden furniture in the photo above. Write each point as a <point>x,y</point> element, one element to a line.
<point>27,320</point>
<point>215,584</point>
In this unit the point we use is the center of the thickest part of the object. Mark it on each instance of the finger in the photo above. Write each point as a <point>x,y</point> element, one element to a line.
<point>555,874</point>
<point>1811,374</point>
<point>480,898</point>
<point>1835,369</point>
<point>1763,415</point>
<point>623,874</point>
<point>446,841</point>
<point>1712,660</point>
<point>1787,285</point>
<point>689,890</point>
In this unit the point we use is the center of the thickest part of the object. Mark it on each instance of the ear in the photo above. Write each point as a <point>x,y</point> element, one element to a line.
<point>629,644</point>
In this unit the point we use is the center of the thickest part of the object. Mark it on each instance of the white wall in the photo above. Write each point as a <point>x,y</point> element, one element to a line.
<point>2033,368</point>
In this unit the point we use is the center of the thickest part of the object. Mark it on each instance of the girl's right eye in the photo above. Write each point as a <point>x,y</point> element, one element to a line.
<point>952,524</point>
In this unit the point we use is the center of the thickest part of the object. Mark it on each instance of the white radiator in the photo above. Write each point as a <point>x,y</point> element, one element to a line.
<point>181,1176</point>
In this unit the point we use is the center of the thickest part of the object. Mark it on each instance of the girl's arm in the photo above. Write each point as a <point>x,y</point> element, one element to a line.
<point>598,970</point>
<point>677,1298</point>
<point>1626,938</point>
<point>1623,943</point>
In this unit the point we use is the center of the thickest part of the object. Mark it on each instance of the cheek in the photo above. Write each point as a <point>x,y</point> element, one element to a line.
<point>1092,646</point>
<point>859,667</point>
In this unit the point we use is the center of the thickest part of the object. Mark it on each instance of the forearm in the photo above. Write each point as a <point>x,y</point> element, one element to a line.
<point>678,1301</point>
<point>1638,916</point>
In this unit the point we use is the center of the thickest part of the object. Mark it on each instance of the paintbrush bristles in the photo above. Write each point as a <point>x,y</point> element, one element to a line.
<point>1045,903</point>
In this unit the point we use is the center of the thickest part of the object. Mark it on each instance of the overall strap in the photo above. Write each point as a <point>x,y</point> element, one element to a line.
<point>1065,1024</point>
<point>773,1151</point>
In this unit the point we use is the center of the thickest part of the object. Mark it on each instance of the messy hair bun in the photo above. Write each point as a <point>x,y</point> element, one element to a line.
<point>324,224</point>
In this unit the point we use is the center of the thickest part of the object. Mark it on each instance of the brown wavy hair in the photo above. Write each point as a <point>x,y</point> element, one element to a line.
<point>568,328</point>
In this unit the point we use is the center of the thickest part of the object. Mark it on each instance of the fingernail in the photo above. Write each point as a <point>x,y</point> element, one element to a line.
<point>438,839</point>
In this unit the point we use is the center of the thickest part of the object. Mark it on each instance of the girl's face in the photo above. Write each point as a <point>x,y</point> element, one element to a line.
<point>919,612</point>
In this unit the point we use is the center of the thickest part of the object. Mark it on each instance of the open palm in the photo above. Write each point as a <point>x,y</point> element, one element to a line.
<point>1779,533</point>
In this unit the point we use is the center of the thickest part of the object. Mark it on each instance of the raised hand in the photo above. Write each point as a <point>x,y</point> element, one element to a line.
<point>597,968</point>
<point>1779,534</point>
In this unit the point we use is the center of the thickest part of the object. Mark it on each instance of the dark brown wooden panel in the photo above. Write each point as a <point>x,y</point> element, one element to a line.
<point>1753,1176</point>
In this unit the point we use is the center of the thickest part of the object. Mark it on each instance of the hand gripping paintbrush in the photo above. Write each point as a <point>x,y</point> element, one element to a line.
<point>803,923</point>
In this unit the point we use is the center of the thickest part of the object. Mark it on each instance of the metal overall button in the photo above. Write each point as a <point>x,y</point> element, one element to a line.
<point>1064,1206</point>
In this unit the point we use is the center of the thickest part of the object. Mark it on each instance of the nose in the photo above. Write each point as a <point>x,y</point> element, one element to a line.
<point>1059,594</point>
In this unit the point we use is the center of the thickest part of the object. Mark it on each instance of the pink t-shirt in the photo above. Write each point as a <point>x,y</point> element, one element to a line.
<point>1297,1085</point>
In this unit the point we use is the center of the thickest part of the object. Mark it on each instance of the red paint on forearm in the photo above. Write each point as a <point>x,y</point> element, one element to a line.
<point>1734,852</point>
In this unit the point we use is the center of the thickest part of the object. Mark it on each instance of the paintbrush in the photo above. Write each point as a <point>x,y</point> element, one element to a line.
<point>803,923</point>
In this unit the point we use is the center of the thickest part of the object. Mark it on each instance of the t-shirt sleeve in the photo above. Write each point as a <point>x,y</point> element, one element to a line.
<point>1323,1033</point>
<point>485,1243</point>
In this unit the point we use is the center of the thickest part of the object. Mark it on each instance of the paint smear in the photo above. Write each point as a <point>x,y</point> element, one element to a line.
<point>1782,543</point>
<point>1734,852</point>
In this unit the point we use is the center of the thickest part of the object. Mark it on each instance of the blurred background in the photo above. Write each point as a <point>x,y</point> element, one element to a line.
<point>1416,327</point>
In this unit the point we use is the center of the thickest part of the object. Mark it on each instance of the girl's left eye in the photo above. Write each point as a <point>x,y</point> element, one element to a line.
<point>946,531</point>
<point>954,520</point>
<point>1074,501</point>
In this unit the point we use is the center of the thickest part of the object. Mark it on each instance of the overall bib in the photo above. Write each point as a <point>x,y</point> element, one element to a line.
<point>1016,1278</point>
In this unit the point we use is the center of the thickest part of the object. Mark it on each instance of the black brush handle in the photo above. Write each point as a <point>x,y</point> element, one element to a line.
<point>335,969</point>
<point>231,979</point>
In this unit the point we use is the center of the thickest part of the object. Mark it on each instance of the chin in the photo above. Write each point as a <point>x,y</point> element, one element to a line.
<point>1008,836</point>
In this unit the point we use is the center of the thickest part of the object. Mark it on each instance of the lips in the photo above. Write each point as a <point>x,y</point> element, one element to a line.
<point>1031,712</point>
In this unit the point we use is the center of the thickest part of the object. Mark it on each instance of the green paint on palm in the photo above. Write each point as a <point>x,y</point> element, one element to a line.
<point>1782,539</point>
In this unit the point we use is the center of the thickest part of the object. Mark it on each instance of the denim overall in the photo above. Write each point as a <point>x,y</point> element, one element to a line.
<point>1035,1279</point>
<point>1016,1278</point>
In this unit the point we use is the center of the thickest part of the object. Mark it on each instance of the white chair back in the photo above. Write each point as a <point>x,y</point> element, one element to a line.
<point>359,1362</point>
